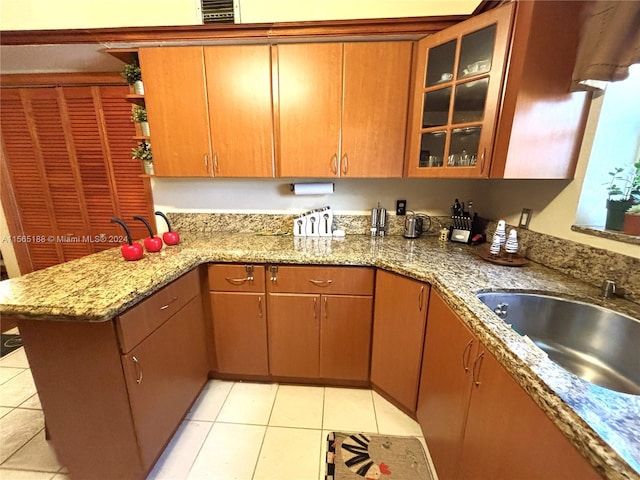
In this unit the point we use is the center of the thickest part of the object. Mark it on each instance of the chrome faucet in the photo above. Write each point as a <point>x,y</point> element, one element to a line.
<point>501,310</point>
<point>608,289</point>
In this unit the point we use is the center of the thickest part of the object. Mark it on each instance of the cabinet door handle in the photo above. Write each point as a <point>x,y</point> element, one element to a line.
<point>482,159</point>
<point>420,298</point>
<point>326,308</point>
<point>334,163</point>
<point>345,164</point>
<point>215,163</point>
<point>164,307</point>
<point>466,356</point>
<point>138,367</point>
<point>206,162</point>
<point>260,313</point>
<point>315,308</point>
<point>477,364</point>
<point>321,283</point>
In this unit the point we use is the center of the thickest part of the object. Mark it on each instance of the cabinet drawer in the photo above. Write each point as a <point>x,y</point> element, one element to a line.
<point>138,322</point>
<point>236,278</point>
<point>321,279</point>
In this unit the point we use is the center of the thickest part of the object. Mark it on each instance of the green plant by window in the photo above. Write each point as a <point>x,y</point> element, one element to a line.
<point>628,186</point>
<point>138,114</point>
<point>142,152</point>
<point>131,73</point>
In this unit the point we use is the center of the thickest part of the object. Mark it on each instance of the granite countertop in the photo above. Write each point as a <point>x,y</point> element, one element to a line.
<point>603,424</point>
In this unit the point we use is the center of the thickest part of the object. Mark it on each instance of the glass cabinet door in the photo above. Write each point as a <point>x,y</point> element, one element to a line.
<point>458,96</point>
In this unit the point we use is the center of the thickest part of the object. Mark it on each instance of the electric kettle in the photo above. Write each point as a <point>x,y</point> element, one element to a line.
<point>412,225</point>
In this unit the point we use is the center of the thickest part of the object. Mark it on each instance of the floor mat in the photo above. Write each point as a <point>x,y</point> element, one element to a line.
<point>369,456</point>
<point>9,343</point>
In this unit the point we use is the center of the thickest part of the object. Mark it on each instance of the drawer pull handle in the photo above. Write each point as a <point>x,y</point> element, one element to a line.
<point>466,356</point>
<point>237,281</point>
<point>476,369</point>
<point>321,283</point>
<point>164,307</point>
<point>138,367</point>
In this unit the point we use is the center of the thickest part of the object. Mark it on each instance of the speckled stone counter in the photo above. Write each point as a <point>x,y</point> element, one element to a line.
<point>604,425</point>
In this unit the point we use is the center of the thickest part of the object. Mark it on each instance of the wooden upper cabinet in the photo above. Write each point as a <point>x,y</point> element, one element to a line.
<point>458,83</point>
<point>374,112</point>
<point>309,105</point>
<point>491,96</point>
<point>176,103</point>
<point>240,116</point>
<point>342,108</point>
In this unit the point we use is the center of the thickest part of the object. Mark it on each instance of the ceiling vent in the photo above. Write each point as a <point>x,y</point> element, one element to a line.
<point>217,11</point>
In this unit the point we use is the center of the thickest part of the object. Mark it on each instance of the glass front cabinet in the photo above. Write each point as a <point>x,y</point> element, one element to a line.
<point>458,84</point>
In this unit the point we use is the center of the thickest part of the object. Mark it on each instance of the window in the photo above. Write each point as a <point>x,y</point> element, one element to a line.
<point>616,144</point>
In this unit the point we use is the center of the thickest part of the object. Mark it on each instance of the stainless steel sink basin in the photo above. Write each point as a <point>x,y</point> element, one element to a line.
<point>596,344</point>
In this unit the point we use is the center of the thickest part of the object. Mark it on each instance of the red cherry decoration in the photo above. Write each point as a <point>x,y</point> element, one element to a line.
<point>130,251</point>
<point>170,237</point>
<point>152,244</point>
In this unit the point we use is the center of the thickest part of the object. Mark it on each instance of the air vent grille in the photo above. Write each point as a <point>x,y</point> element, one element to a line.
<point>215,11</point>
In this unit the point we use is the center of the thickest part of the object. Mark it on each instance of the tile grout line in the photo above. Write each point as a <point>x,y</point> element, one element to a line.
<point>375,413</point>
<point>266,427</point>
<point>20,448</point>
<point>212,423</point>
<point>226,397</point>
<point>199,449</point>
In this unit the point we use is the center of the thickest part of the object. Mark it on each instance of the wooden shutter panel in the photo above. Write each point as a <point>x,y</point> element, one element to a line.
<point>67,152</point>
<point>24,162</point>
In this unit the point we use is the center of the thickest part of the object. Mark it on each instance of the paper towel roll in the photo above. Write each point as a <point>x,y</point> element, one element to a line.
<point>312,188</point>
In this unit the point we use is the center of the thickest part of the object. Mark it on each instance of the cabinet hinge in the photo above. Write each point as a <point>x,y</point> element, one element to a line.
<point>274,272</point>
<point>249,270</point>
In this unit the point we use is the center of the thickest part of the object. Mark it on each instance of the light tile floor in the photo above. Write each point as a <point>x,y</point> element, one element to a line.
<point>234,430</point>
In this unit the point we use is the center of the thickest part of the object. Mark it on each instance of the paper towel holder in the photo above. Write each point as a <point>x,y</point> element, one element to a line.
<point>314,188</point>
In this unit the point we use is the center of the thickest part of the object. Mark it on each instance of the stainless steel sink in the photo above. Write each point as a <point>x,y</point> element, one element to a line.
<point>595,343</point>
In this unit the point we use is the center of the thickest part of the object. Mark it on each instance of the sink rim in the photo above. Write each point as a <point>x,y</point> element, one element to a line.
<point>556,296</point>
<point>533,340</point>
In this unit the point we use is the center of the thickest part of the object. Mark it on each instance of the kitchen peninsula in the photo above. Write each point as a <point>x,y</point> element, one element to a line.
<point>603,425</point>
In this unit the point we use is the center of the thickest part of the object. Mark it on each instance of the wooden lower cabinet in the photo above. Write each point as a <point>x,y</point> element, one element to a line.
<point>445,385</point>
<point>398,335</point>
<point>240,332</point>
<point>345,337</point>
<point>239,318</point>
<point>110,410</point>
<point>164,375</point>
<point>477,421</point>
<point>294,335</point>
<point>320,322</point>
<point>320,336</point>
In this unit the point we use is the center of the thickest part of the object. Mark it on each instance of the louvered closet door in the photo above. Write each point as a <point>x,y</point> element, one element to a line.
<point>22,155</point>
<point>57,157</point>
<point>68,154</point>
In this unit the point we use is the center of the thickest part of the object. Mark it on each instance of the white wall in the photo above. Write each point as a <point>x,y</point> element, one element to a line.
<point>259,11</point>
<point>66,14</point>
